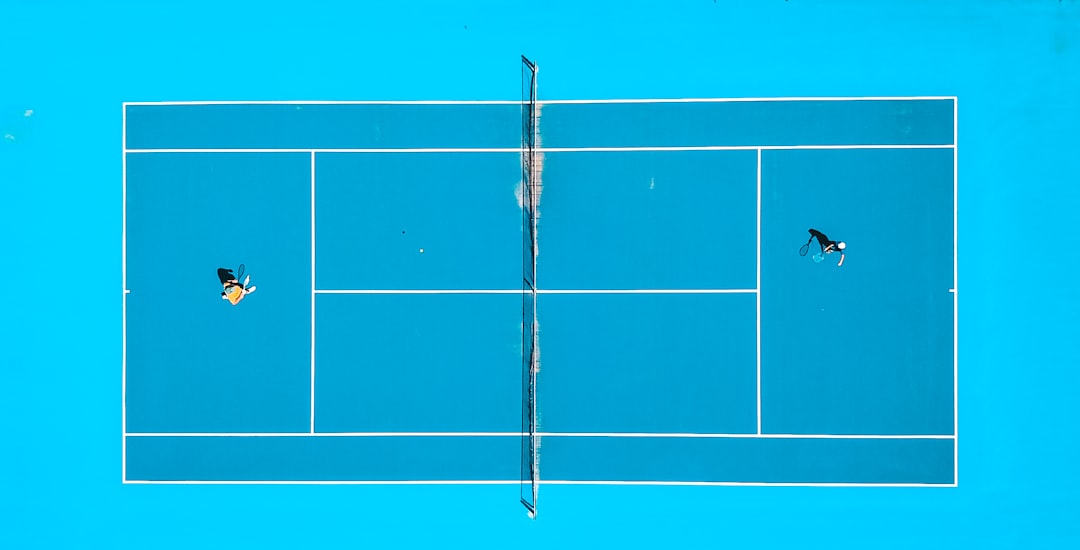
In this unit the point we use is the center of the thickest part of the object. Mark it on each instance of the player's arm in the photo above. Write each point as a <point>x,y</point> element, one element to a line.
<point>841,262</point>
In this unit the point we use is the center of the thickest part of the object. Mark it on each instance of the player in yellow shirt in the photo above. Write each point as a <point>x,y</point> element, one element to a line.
<point>233,290</point>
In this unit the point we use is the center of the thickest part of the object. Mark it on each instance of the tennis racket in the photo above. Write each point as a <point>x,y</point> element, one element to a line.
<point>804,249</point>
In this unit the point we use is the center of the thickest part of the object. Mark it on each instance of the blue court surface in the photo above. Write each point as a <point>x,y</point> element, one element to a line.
<point>583,288</point>
<point>684,339</point>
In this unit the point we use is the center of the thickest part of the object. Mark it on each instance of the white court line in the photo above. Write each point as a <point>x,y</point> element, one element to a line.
<point>666,148</point>
<point>547,149</point>
<point>956,309</point>
<point>542,102</point>
<point>546,291</point>
<point>321,482</point>
<point>327,434</point>
<point>328,102</point>
<point>653,291</point>
<point>123,271</point>
<point>545,434</point>
<point>334,434</point>
<point>745,484</point>
<point>329,150</point>
<point>421,291</point>
<point>747,99</point>
<point>748,435</point>
<point>758,293</point>
<point>540,482</point>
<point>313,292</point>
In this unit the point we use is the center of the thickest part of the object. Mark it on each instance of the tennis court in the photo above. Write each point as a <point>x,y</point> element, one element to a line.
<point>532,292</point>
<point>372,395</point>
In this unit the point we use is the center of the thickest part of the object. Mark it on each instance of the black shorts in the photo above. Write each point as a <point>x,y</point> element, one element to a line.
<point>225,275</point>
<point>822,240</point>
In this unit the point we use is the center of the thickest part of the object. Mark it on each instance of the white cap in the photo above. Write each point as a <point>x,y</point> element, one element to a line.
<point>841,245</point>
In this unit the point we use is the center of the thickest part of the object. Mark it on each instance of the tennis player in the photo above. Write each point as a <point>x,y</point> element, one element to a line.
<point>827,246</point>
<point>233,290</point>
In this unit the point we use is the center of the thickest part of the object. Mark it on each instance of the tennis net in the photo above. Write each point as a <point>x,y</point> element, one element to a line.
<point>530,462</point>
